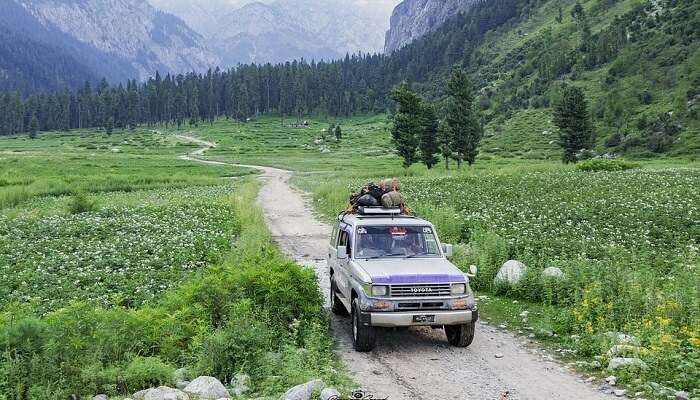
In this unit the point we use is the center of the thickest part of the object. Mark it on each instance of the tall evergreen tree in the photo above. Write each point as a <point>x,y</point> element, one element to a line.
<point>406,123</point>
<point>575,128</point>
<point>33,126</point>
<point>428,136</point>
<point>462,118</point>
<point>445,142</point>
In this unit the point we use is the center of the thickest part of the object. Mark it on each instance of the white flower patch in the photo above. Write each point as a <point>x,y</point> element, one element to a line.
<point>116,256</point>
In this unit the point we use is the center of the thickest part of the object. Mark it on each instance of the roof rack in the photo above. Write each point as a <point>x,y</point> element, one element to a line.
<point>366,210</point>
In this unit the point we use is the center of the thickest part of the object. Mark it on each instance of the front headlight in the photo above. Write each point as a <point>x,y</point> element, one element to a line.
<point>379,290</point>
<point>459,288</point>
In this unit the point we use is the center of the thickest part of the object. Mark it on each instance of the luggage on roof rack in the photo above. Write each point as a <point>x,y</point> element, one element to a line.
<point>382,199</point>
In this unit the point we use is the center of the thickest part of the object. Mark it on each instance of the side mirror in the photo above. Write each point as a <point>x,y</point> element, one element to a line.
<point>447,249</point>
<point>341,252</point>
<point>472,271</point>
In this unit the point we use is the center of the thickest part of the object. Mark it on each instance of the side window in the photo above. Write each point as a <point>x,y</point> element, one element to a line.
<point>343,240</point>
<point>334,236</point>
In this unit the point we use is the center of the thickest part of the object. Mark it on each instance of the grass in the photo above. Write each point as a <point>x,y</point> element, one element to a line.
<point>254,312</point>
<point>120,266</point>
<point>626,240</point>
<point>59,164</point>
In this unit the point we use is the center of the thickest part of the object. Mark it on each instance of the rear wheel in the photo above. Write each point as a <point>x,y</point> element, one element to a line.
<point>337,307</point>
<point>364,337</point>
<point>460,335</point>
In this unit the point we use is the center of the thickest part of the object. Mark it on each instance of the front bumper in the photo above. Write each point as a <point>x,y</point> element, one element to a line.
<point>406,318</point>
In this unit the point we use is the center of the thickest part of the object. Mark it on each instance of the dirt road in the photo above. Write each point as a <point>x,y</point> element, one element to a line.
<point>416,363</point>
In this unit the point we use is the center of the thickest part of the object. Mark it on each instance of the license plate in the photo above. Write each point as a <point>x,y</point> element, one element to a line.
<point>422,319</point>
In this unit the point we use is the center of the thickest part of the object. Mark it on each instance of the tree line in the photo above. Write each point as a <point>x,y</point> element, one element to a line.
<point>357,84</point>
<point>420,136</point>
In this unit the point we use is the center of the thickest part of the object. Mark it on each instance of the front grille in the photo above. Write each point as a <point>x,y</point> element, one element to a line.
<point>420,290</point>
<point>432,305</point>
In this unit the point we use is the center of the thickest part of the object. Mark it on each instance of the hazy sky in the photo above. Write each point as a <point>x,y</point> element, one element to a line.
<point>202,14</point>
<point>383,6</point>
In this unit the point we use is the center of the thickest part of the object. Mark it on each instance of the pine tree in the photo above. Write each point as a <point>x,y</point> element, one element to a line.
<point>462,118</point>
<point>445,142</point>
<point>428,137</point>
<point>338,133</point>
<point>33,126</point>
<point>109,125</point>
<point>406,125</point>
<point>575,129</point>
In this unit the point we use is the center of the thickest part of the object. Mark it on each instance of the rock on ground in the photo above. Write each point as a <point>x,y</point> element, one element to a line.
<point>622,349</point>
<point>207,388</point>
<point>511,272</point>
<point>161,393</point>
<point>553,272</point>
<point>622,338</point>
<point>620,362</point>
<point>240,384</point>
<point>330,394</point>
<point>304,391</point>
<point>101,397</point>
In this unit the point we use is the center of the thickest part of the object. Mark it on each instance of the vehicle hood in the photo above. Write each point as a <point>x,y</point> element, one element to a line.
<point>398,271</point>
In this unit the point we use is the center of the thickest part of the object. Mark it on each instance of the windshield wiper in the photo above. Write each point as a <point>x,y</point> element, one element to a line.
<point>417,254</point>
<point>382,256</point>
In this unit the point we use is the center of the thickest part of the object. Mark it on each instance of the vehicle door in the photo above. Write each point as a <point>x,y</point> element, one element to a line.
<point>343,265</point>
<point>332,245</point>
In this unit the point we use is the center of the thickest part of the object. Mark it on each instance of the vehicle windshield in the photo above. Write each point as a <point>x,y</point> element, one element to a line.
<point>396,241</point>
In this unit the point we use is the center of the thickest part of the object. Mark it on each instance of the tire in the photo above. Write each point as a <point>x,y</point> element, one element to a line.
<point>364,338</point>
<point>336,306</point>
<point>460,335</point>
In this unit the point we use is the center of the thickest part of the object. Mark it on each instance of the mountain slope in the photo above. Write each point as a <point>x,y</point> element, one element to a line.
<point>132,30</point>
<point>50,44</point>
<point>414,18</point>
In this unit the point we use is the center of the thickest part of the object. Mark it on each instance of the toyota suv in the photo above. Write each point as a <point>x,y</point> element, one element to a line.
<point>388,270</point>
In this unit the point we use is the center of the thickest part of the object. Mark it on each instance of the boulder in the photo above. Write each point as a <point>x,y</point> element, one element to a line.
<point>553,273</point>
<point>240,384</point>
<point>511,272</point>
<point>623,349</point>
<point>622,362</point>
<point>304,391</point>
<point>681,395</point>
<point>101,397</point>
<point>140,394</point>
<point>330,394</point>
<point>622,338</point>
<point>161,393</point>
<point>207,388</point>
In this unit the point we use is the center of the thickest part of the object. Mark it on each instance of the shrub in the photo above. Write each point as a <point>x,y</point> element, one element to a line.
<point>145,372</point>
<point>238,346</point>
<point>599,164</point>
<point>79,203</point>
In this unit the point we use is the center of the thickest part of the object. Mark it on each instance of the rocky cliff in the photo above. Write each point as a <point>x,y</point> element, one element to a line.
<point>414,18</point>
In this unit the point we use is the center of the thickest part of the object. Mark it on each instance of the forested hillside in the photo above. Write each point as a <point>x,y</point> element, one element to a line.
<point>638,62</point>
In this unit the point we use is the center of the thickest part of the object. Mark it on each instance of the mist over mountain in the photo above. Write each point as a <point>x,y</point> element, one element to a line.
<point>241,31</point>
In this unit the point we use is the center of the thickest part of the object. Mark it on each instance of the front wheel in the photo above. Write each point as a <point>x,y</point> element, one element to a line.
<point>336,306</point>
<point>364,337</point>
<point>460,335</point>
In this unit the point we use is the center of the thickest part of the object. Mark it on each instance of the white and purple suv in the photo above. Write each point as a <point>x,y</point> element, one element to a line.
<point>390,270</point>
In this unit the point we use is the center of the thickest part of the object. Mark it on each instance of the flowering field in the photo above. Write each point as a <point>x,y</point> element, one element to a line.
<point>627,242</point>
<point>556,217</point>
<point>126,253</point>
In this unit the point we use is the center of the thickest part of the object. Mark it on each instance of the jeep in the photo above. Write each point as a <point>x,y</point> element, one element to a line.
<point>389,270</point>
